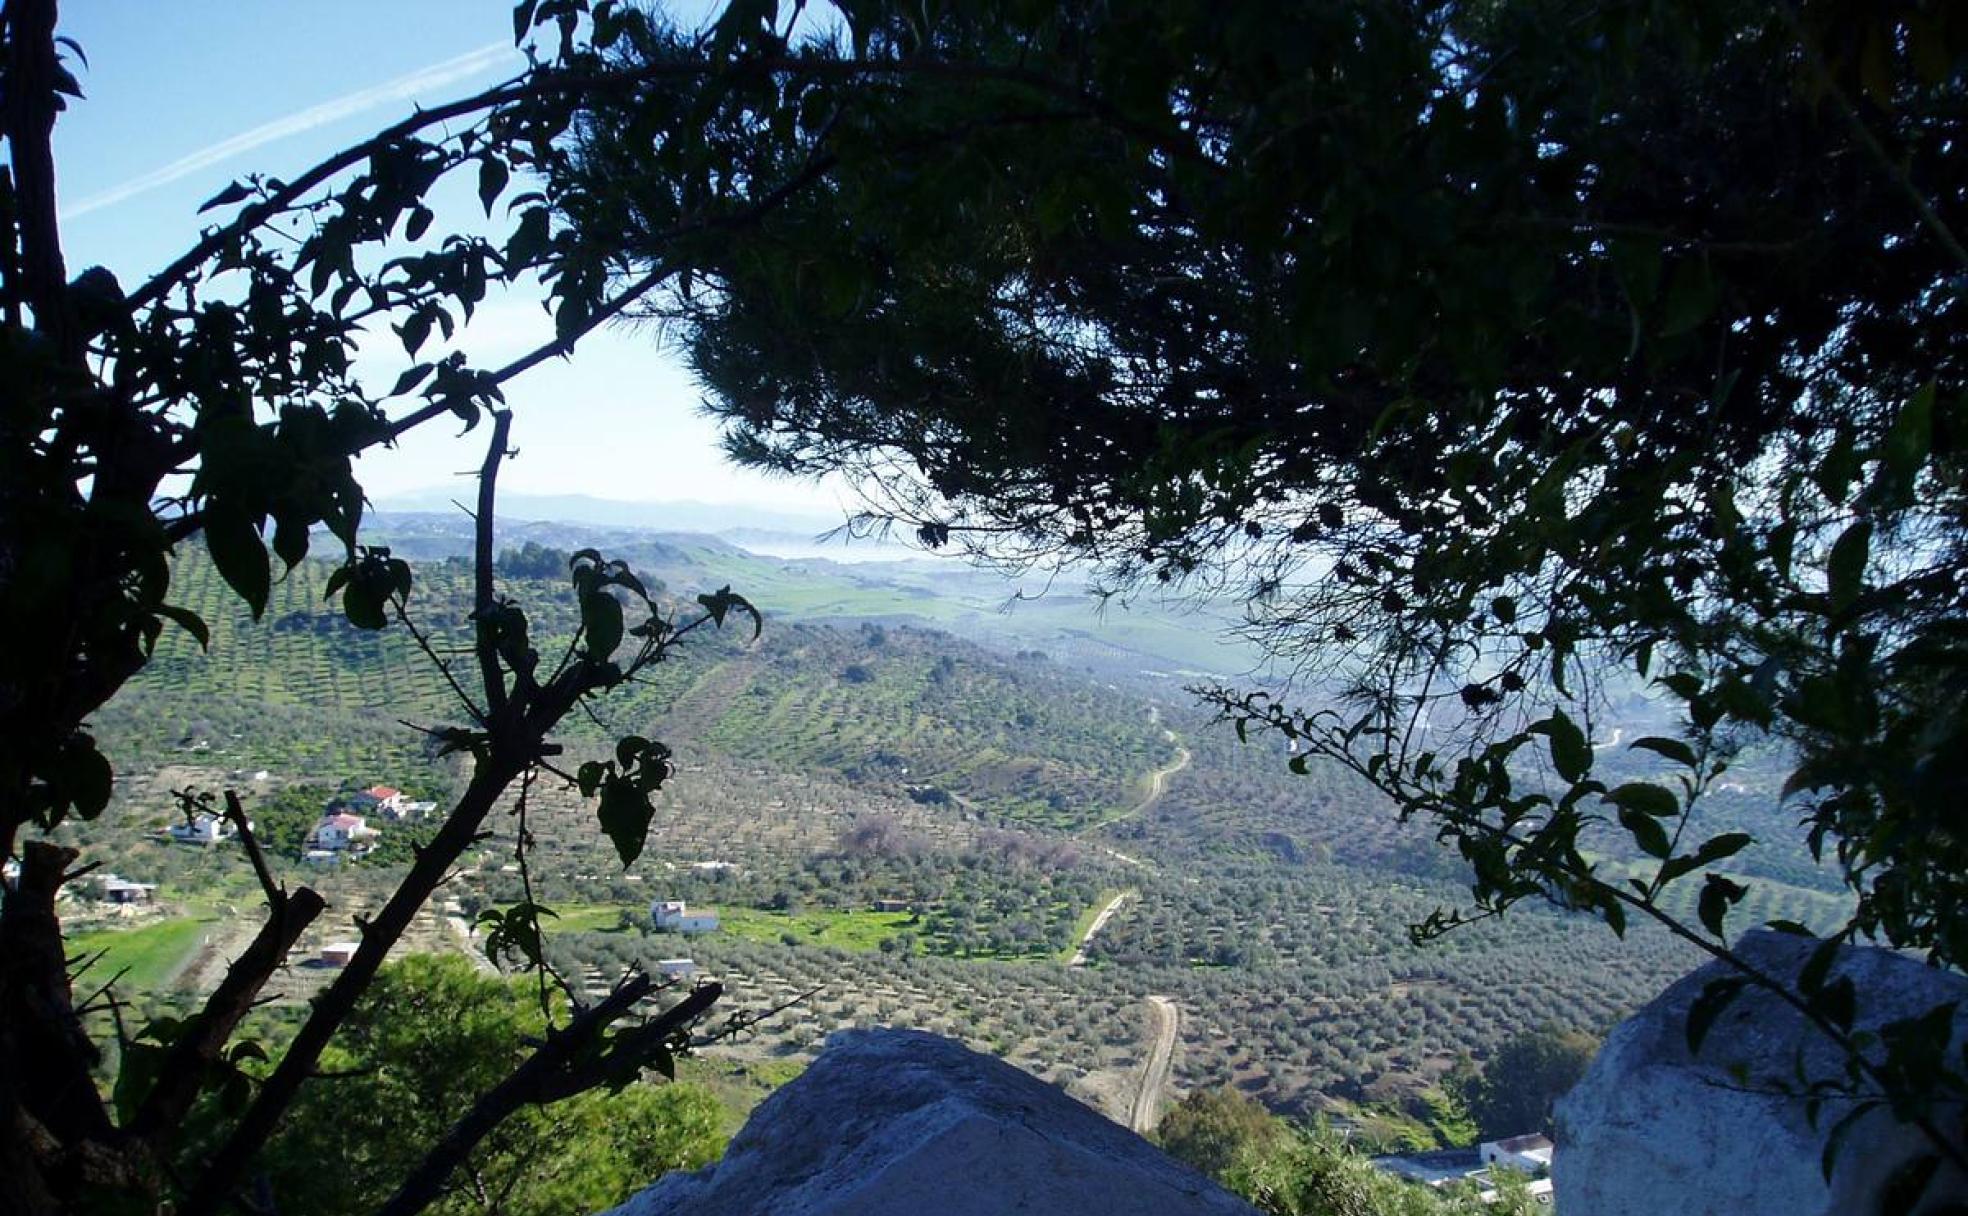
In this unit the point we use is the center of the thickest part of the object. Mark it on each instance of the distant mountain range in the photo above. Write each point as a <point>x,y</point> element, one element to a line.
<point>792,574</point>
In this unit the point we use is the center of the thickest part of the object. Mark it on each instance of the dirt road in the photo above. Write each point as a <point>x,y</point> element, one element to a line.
<point>1154,1074</point>
<point>1157,782</point>
<point>1079,958</point>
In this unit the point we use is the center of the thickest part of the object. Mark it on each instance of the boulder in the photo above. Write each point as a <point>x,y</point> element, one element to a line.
<point>1652,1128</point>
<point>901,1123</point>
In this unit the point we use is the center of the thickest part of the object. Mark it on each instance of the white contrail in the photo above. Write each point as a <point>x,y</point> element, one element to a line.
<point>403,88</point>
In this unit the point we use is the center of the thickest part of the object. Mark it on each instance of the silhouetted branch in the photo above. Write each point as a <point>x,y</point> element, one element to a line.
<point>197,1048</point>
<point>275,893</point>
<point>553,1072</point>
<point>485,593</point>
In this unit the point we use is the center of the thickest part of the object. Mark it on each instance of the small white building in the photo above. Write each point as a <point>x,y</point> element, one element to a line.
<point>123,891</point>
<point>344,833</point>
<point>387,799</point>
<point>339,954</point>
<point>676,968</point>
<point>672,916</point>
<point>1529,1154</point>
<point>205,828</point>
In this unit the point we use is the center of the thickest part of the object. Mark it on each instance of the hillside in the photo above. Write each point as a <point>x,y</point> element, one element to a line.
<point>999,795</point>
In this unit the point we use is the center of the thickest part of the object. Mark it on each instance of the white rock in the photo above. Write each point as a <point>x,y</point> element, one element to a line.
<point>903,1123</point>
<point>1651,1129</point>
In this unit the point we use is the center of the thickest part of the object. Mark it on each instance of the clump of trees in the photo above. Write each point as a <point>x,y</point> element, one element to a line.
<point>1288,1170</point>
<point>531,560</point>
<point>429,1036</point>
<point>1517,1086</point>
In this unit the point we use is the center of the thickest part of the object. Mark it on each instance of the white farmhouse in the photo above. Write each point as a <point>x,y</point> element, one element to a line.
<point>386,799</point>
<point>673,916</point>
<point>344,832</point>
<point>1526,1154</point>
<point>123,891</point>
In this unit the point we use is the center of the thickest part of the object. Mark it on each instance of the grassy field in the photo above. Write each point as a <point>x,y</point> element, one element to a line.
<point>588,918</point>
<point>153,954</point>
<point>844,930</point>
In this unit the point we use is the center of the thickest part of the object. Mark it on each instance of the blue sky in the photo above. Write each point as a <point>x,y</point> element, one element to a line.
<point>186,95</point>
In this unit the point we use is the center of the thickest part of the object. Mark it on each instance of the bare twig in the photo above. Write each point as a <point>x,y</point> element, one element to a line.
<point>485,593</point>
<point>276,894</point>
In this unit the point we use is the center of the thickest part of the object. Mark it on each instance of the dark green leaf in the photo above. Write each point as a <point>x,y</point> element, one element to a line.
<point>1812,978</point>
<point>1715,997</point>
<point>1838,1002</point>
<point>492,178</point>
<point>1908,441</point>
<point>720,603</point>
<point>1571,755</point>
<point>86,778</point>
<point>1835,1139</point>
<point>411,378</point>
<point>363,606</point>
<point>226,197</point>
<point>624,814</point>
<point>1717,848</point>
<point>590,776</point>
<point>189,621</point>
<point>239,555</point>
<point>1845,569</point>
<point>1717,896</point>
<point>1646,831</point>
<point>601,617</point>
<point>1673,749</point>
<point>1646,798</point>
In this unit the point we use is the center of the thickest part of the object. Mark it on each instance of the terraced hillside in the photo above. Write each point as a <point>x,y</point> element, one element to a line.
<point>918,826</point>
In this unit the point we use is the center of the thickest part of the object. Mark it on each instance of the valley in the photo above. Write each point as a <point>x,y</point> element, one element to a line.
<point>1026,837</point>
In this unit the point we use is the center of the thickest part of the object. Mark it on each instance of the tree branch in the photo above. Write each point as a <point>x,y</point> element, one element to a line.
<point>485,593</point>
<point>183,1071</point>
<point>228,1165</point>
<point>553,1072</point>
<point>275,893</point>
<point>29,108</point>
<point>47,1094</point>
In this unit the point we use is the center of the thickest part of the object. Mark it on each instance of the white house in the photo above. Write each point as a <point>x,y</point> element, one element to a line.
<point>122,891</point>
<point>676,968</point>
<point>384,800</point>
<point>205,828</point>
<point>672,915</point>
<point>1529,1154</point>
<point>344,832</point>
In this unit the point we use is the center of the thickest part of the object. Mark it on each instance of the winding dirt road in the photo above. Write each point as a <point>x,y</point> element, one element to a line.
<point>1154,1074</point>
<point>1079,958</point>
<point>1157,782</point>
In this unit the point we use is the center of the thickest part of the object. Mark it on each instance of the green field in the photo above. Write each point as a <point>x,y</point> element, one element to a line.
<point>153,954</point>
<point>845,930</point>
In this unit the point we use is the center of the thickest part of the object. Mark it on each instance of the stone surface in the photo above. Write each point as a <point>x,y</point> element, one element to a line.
<point>902,1123</point>
<point>1651,1129</point>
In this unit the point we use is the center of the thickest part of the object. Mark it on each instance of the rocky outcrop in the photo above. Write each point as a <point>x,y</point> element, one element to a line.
<point>902,1123</point>
<point>1652,1129</point>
